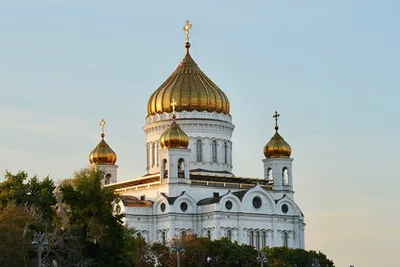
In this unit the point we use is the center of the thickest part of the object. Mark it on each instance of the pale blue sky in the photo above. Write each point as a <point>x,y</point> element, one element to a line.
<point>331,68</point>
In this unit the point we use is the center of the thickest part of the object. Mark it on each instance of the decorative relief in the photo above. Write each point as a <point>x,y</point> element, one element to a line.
<point>189,115</point>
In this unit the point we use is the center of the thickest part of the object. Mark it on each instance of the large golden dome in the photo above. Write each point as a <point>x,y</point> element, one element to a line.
<point>277,147</point>
<point>174,137</point>
<point>102,154</point>
<point>191,89</point>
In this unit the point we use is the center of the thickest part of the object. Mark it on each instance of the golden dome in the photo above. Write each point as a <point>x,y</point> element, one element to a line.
<point>192,90</point>
<point>102,154</point>
<point>174,137</point>
<point>277,147</point>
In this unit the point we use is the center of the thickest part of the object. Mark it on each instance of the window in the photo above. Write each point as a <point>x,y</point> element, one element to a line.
<point>214,150</point>
<point>228,205</point>
<point>257,202</point>
<point>258,240</point>
<point>285,176</point>
<point>163,238</point>
<point>108,178</point>
<point>153,154</point>
<point>264,238</point>
<point>285,239</point>
<point>184,206</point>
<point>251,241</point>
<point>285,208</point>
<point>199,150</point>
<point>181,168</point>
<point>164,168</point>
<point>270,177</point>
<point>209,234</point>
<point>226,152</point>
<point>229,234</point>
<point>184,234</point>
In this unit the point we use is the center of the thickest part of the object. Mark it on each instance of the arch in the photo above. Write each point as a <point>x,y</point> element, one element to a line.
<point>269,174</point>
<point>226,152</point>
<point>164,168</point>
<point>153,153</point>
<point>199,150</point>
<point>229,234</point>
<point>285,176</point>
<point>214,151</point>
<point>209,234</point>
<point>181,168</point>
<point>108,178</point>
<point>261,192</point>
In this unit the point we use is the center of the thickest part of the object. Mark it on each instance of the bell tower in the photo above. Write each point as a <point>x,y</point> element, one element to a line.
<point>277,162</point>
<point>104,158</point>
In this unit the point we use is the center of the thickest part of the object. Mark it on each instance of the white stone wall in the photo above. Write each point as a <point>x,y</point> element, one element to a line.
<point>242,219</point>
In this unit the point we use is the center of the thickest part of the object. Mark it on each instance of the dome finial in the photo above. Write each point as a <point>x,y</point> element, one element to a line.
<point>102,125</point>
<point>173,104</point>
<point>276,116</point>
<point>186,29</point>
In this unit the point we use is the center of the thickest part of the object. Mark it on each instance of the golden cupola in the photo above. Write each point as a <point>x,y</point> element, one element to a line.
<point>102,154</point>
<point>190,87</point>
<point>277,147</point>
<point>174,136</point>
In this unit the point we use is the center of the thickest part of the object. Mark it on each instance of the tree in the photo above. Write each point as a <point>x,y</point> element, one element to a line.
<point>16,189</point>
<point>90,213</point>
<point>278,256</point>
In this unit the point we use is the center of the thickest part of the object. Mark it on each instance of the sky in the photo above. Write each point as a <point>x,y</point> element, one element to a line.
<point>330,68</point>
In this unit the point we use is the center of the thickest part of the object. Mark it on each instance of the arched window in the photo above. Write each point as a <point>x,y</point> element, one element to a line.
<point>264,239</point>
<point>163,237</point>
<point>258,240</point>
<point>165,168</point>
<point>229,234</point>
<point>209,234</point>
<point>226,152</point>
<point>153,153</point>
<point>214,150</point>
<point>251,241</point>
<point>199,150</point>
<point>181,168</point>
<point>285,176</point>
<point>139,235</point>
<point>108,178</point>
<point>269,173</point>
<point>285,239</point>
<point>184,234</point>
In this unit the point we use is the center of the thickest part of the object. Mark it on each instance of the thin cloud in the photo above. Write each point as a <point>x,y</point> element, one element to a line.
<point>42,123</point>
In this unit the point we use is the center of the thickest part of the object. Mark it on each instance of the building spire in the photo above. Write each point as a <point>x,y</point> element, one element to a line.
<point>276,116</point>
<point>102,125</point>
<point>186,29</point>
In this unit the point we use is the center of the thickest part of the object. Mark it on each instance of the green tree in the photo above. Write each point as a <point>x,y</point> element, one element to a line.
<point>21,191</point>
<point>278,256</point>
<point>90,213</point>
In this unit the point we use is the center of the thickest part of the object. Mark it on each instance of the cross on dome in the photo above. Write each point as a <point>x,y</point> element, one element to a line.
<point>186,29</point>
<point>276,116</point>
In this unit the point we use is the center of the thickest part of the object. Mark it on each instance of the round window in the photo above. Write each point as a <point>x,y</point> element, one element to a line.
<point>228,205</point>
<point>285,208</point>
<point>184,206</point>
<point>162,207</point>
<point>257,202</point>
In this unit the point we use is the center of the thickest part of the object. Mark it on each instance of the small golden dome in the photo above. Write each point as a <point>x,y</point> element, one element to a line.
<point>192,90</point>
<point>174,137</point>
<point>277,147</point>
<point>102,154</point>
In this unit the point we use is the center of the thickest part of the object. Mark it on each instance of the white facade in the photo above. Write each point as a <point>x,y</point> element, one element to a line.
<point>182,194</point>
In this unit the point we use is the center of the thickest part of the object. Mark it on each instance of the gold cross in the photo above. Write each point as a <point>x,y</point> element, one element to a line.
<point>173,104</point>
<point>186,28</point>
<point>102,124</point>
<point>276,116</point>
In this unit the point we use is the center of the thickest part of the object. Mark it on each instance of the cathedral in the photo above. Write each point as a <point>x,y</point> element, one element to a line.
<point>189,187</point>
